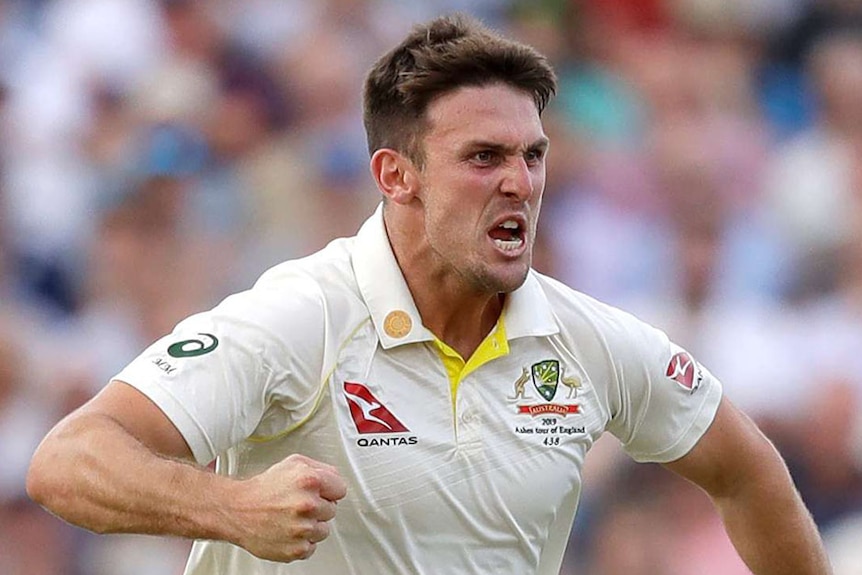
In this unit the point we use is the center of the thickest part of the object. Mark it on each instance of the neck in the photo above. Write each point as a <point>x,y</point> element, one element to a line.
<point>456,313</point>
<point>461,327</point>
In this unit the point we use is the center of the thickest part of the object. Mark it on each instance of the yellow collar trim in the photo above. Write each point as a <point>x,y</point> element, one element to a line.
<point>493,346</point>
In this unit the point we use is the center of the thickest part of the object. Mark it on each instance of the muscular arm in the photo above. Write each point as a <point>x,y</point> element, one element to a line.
<point>118,465</point>
<point>751,488</point>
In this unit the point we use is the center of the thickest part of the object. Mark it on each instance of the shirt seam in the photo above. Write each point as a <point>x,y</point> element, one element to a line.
<point>318,397</point>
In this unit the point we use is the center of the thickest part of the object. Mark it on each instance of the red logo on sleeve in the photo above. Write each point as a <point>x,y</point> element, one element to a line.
<point>368,414</point>
<point>683,370</point>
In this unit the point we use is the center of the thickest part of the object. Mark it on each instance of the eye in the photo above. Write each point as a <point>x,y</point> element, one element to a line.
<point>485,157</point>
<point>533,157</point>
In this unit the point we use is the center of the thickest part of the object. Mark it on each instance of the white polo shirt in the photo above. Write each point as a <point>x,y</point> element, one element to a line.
<point>452,467</point>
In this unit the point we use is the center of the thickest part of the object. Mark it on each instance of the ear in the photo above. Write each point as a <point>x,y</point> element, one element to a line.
<point>396,176</point>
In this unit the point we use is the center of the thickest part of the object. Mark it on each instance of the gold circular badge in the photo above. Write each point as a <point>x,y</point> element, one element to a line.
<point>397,323</point>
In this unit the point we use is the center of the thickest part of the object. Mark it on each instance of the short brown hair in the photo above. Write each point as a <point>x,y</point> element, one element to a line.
<point>438,57</point>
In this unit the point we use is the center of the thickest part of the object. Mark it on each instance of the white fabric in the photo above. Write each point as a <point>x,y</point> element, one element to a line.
<point>479,489</point>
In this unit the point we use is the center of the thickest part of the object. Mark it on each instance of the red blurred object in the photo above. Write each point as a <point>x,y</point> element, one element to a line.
<point>632,15</point>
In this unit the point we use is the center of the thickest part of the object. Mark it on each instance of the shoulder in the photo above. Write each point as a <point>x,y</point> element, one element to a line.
<point>576,310</point>
<point>329,268</point>
<point>602,333</point>
<point>301,297</point>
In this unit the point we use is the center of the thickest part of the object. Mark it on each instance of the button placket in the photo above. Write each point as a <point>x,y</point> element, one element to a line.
<point>469,420</point>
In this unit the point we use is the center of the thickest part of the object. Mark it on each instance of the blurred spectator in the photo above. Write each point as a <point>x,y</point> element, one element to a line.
<point>596,96</point>
<point>826,445</point>
<point>33,542</point>
<point>842,543</point>
<point>48,186</point>
<point>811,179</point>
<point>653,523</point>
<point>704,172</point>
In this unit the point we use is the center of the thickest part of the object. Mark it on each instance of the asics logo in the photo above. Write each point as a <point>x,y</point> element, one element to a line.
<point>193,347</point>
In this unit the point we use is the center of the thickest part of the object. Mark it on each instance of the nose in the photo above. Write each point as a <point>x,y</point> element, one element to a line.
<point>518,180</point>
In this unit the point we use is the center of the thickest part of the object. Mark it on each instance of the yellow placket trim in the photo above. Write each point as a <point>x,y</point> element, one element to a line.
<point>493,346</point>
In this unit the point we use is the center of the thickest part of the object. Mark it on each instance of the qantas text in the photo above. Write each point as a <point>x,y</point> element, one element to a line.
<point>378,441</point>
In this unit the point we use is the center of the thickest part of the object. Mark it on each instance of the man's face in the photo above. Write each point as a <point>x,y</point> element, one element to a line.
<point>482,184</point>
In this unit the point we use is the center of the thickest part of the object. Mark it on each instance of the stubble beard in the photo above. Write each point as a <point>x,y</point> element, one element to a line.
<point>483,278</point>
<point>470,265</point>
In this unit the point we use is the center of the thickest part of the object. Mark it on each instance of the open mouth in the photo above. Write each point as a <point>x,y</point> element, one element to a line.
<point>508,236</point>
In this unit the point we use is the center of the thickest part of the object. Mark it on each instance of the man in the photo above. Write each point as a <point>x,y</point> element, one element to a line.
<point>416,395</point>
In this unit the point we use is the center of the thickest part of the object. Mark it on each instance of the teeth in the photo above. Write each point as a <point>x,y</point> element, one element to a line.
<point>509,245</point>
<point>509,225</point>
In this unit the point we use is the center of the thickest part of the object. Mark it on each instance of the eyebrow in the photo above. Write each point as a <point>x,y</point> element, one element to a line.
<point>540,144</point>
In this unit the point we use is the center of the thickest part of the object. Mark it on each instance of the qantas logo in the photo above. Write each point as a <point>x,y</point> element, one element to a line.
<point>683,370</point>
<point>368,413</point>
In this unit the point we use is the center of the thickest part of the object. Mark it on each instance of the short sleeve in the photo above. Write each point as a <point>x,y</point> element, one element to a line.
<point>213,376</point>
<point>667,399</point>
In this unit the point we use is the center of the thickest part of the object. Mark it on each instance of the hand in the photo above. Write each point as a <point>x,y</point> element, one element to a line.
<point>283,513</point>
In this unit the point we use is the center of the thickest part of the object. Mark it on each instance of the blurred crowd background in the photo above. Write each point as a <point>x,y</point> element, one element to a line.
<point>705,173</point>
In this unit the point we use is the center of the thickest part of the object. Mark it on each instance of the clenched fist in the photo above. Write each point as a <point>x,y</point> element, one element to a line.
<point>283,513</point>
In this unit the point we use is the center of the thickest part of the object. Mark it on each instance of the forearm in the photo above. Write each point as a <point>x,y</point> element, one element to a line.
<point>771,528</point>
<point>92,473</point>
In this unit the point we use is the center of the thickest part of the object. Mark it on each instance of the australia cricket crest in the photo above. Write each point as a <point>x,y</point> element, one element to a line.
<point>546,410</point>
<point>546,376</point>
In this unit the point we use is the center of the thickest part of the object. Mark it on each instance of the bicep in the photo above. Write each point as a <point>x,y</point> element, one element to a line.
<point>140,417</point>
<point>731,453</point>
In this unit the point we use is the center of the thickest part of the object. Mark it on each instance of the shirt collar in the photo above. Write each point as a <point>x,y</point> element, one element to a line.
<point>393,311</point>
<point>527,311</point>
